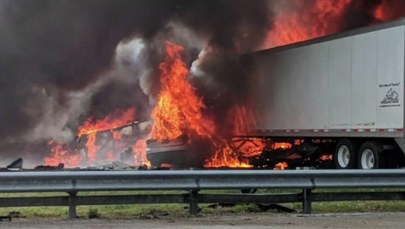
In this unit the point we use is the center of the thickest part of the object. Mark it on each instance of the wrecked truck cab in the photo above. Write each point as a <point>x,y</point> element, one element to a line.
<point>178,153</point>
<point>171,152</point>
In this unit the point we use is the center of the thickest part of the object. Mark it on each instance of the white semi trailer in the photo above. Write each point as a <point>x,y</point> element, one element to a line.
<point>347,89</point>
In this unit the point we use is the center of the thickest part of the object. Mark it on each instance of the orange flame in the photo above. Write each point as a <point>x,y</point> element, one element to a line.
<point>282,145</point>
<point>326,158</point>
<point>250,147</point>
<point>116,135</point>
<point>389,10</point>
<point>295,22</point>
<point>226,157</point>
<point>294,26</point>
<point>91,127</point>
<point>281,166</point>
<point>112,121</point>
<point>234,153</point>
<point>60,153</point>
<point>380,13</point>
<point>241,118</point>
<point>139,151</point>
<point>91,147</point>
<point>179,109</point>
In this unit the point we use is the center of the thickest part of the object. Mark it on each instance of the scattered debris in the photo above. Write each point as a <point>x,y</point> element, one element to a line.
<point>11,215</point>
<point>115,165</point>
<point>93,213</point>
<point>221,205</point>
<point>127,155</point>
<point>276,207</point>
<point>153,214</point>
<point>121,165</point>
<point>15,214</point>
<point>198,210</point>
<point>305,154</point>
<point>248,191</point>
<point>60,166</point>
<point>7,217</point>
<point>16,165</point>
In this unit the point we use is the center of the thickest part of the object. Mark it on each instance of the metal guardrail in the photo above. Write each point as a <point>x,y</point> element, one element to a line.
<point>194,181</point>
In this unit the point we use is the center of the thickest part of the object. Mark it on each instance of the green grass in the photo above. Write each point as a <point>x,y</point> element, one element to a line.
<point>359,206</point>
<point>181,210</point>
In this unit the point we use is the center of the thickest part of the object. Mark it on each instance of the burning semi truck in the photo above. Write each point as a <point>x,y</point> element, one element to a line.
<point>182,88</point>
<point>340,95</point>
<point>347,89</point>
<point>330,102</point>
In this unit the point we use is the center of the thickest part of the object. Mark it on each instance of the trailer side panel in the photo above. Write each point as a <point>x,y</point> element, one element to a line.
<point>351,85</point>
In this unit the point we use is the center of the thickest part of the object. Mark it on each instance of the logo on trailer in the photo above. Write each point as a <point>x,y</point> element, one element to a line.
<point>391,99</point>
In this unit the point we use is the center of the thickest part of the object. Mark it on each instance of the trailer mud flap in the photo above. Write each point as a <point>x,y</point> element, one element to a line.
<point>401,144</point>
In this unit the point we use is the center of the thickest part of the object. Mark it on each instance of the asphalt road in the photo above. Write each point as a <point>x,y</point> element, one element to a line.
<point>253,220</point>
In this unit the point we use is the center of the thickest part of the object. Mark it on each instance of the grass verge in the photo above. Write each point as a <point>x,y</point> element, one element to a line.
<point>180,210</point>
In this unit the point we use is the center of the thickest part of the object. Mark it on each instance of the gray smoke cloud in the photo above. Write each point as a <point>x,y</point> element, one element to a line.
<point>64,60</point>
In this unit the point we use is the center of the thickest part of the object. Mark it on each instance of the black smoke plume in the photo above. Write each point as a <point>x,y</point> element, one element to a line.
<point>58,58</point>
<point>53,51</point>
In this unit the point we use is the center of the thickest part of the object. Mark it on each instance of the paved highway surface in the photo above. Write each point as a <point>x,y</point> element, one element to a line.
<point>253,220</point>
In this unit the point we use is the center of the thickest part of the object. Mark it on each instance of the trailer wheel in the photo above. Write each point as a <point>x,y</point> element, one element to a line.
<point>371,156</point>
<point>346,154</point>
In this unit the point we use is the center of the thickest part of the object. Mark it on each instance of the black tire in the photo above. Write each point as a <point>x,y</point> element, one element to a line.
<point>345,156</point>
<point>371,156</point>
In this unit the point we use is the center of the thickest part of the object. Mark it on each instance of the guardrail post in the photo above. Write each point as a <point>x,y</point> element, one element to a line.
<point>72,205</point>
<point>306,201</point>
<point>193,198</point>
